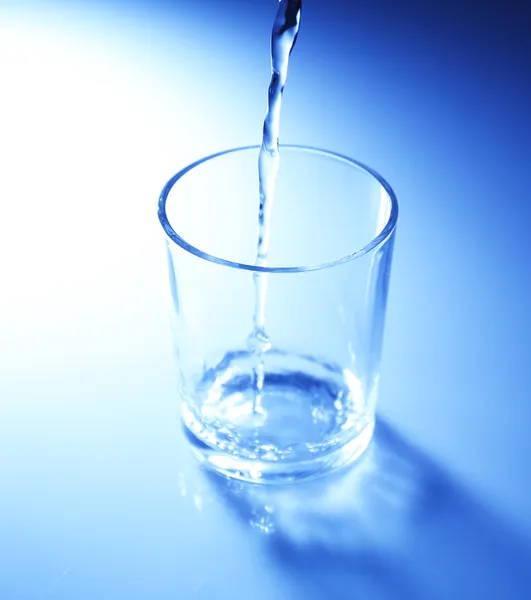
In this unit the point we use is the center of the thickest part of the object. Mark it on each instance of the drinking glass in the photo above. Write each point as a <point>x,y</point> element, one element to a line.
<point>332,228</point>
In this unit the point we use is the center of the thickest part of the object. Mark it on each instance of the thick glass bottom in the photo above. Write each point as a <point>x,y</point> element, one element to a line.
<point>261,471</point>
<point>309,420</point>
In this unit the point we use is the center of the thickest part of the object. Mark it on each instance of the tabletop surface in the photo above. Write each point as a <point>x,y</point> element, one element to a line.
<point>101,103</point>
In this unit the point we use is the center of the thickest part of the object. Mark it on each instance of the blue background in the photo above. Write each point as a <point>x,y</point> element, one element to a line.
<point>100,103</point>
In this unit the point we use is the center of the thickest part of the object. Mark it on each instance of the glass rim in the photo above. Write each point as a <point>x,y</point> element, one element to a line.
<point>375,242</point>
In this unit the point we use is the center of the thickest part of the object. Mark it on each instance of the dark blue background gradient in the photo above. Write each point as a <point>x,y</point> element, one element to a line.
<point>100,103</point>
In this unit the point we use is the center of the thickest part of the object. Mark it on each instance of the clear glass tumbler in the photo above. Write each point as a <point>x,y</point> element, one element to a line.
<point>332,228</point>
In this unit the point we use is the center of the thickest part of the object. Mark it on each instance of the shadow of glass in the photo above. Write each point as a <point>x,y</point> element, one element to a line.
<point>394,526</point>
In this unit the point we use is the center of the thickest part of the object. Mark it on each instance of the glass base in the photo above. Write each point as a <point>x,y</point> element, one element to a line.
<point>307,421</point>
<point>261,471</point>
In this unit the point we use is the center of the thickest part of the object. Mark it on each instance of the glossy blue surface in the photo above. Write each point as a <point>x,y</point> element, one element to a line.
<point>101,104</point>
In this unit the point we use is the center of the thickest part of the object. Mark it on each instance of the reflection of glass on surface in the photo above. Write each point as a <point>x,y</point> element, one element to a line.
<point>394,526</point>
<point>332,231</point>
<point>371,503</point>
